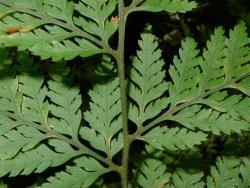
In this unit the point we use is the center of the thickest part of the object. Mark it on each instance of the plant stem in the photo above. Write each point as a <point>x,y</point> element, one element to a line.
<point>121,74</point>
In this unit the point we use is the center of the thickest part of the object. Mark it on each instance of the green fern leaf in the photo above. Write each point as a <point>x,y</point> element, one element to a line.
<point>30,121</point>
<point>209,120</point>
<point>99,12</point>
<point>12,117</point>
<point>245,174</point>
<point>23,99</point>
<point>229,172</point>
<point>147,83</point>
<point>225,174</point>
<point>23,139</point>
<point>219,68</point>
<point>104,119</point>
<point>185,74</point>
<point>59,9</point>
<point>172,6</point>
<point>83,174</point>
<point>212,67</point>
<point>187,180</point>
<point>236,106</point>
<point>65,106</point>
<point>19,22</point>
<point>237,53</point>
<point>35,109</point>
<point>199,81</point>
<point>24,163</point>
<point>152,174</point>
<point>173,139</point>
<point>30,29</point>
<point>11,99</point>
<point>65,50</point>
<point>30,40</point>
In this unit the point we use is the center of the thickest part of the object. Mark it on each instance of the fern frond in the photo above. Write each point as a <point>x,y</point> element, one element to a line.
<point>104,119</point>
<point>25,109</point>
<point>147,84</point>
<point>195,77</point>
<point>24,98</point>
<point>62,9</point>
<point>152,173</point>
<point>24,164</point>
<point>184,179</point>
<point>30,40</point>
<point>209,120</point>
<point>226,59</point>
<point>196,97</point>
<point>229,172</point>
<point>26,25</point>
<point>237,106</point>
<point>25,138</point>
<point>50,43</point>
<point>185,73</point>
<point>171,6</point>
<point>19,22</point>
<point>98,13</point>
<point>245,174</point>
<point>82,174</point>
<point>212,67</point>
<point>224,174</point>
<point>11,99</point>
<point>65,106</point>
<point>237,53</point>
<point>34,93</point>
<point>66,49</point>
<point>173,138</point>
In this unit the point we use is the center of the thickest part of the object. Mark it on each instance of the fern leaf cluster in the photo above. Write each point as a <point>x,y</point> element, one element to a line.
<point>99,22</point>
<point>195,94</point>
<point>153,174</point>
<point>24,163</point>
<point>65,108</point>
<point>84,172</point>
<point>227,172</point>
<point>197,84</point>
<point>104,119</point>
<point>173,138</point>
<point>29,27</point>
<point>42,121</point>
<point>78,29</point>
<point>185,73</point>
<point>147,85</point>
